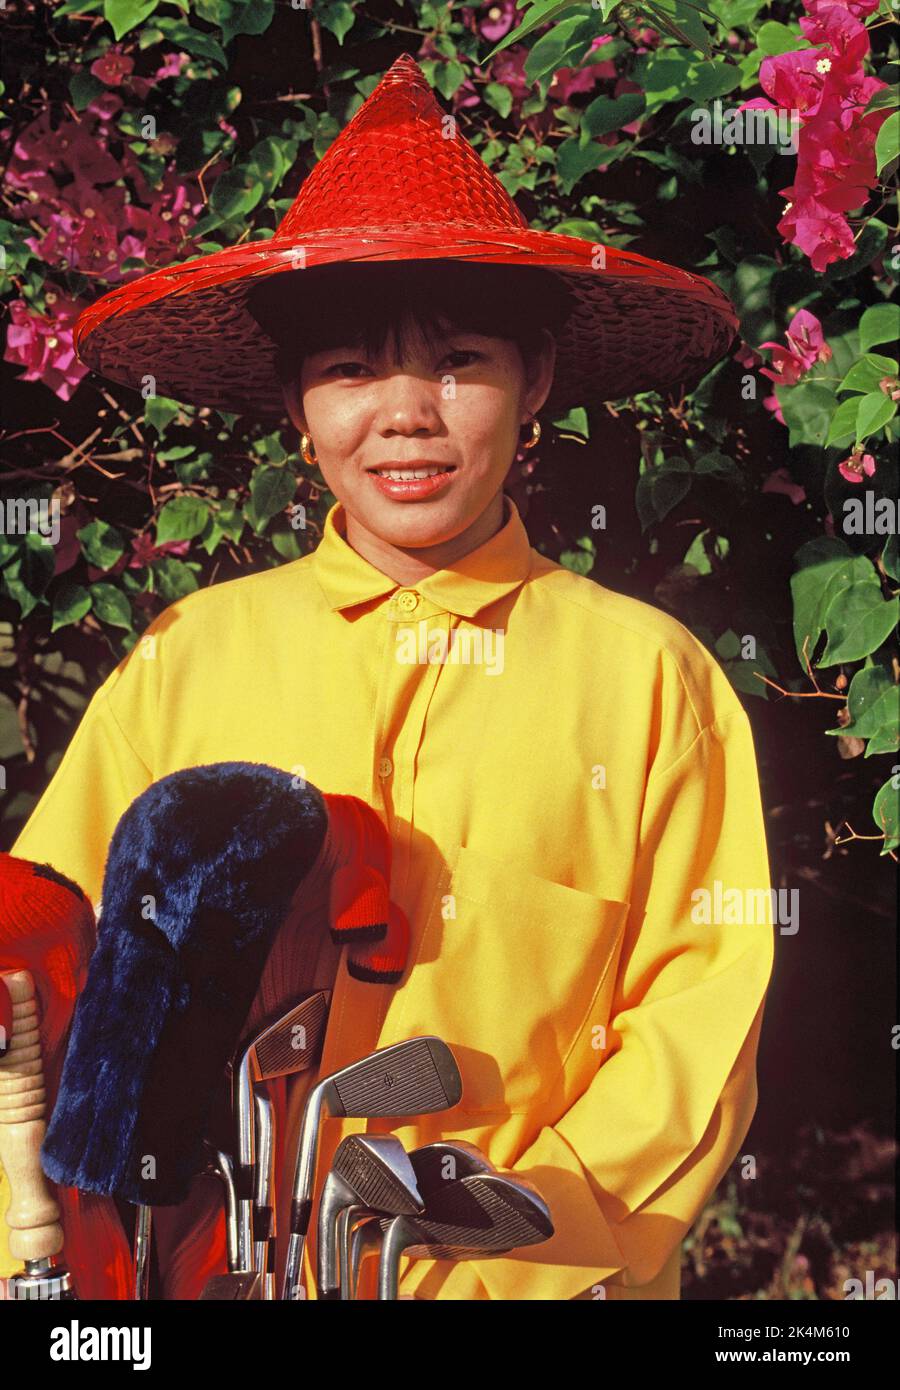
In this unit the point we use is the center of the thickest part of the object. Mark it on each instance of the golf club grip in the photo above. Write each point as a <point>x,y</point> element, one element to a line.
<point>35,1232</point>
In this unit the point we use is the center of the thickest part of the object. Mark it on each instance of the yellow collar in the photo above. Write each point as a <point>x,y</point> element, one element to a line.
<point>478,579</point>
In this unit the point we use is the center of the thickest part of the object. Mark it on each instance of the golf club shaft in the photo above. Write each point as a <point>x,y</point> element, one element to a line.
<point>143,1233</point>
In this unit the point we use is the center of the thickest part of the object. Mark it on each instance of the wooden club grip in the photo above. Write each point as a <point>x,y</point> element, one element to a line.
<point>33,1214</point>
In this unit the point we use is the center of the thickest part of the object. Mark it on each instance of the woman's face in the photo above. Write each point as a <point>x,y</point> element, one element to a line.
<point>459,404</point>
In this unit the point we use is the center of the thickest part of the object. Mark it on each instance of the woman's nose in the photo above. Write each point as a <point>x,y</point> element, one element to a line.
<point>408,405</point>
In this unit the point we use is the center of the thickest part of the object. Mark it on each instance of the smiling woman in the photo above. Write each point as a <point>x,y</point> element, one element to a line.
<point>412,382</point>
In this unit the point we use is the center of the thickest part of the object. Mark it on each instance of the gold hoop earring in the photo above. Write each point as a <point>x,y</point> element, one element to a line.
<point>535,434</point>
<point>306,452</point>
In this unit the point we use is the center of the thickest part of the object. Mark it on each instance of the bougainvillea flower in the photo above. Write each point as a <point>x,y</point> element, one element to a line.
<point>858,464</point>
<point>859,8</point>
<point>806,338</point>
<point>112,67</point>
<point>824,236</point>
<point>497,20</point>
<point>781,481</point>
<point>42,344</point>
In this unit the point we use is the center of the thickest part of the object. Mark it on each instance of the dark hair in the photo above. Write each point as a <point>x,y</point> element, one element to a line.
<point>361,304</point>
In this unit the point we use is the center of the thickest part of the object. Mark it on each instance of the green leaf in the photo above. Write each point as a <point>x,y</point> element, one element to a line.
<point>245,17</point>
<point>873,701</point>
<point>698,552</point>
<point>271,489</point>
<point>606,114</point>
<point>888,96</point>
<point>553,49</point>
<point>865,374</point>
<point>181,519</point>
<point>111,606</point>
<point>498,96</point>
<point>540,13</point>
<point>822,566</point>
<point>842,429</point>
<point>879,324</point>
<point>870,244</point>
<point>124,15</point>
<point>807,408</point>
<point>661,489</point>
<point>773,38</point>
<point>874,412</point>
<point>193,41</point>
<point>449,77</point>
<point>172,579</point>
<point>336,15</point>
<point>887,142</point>
<point>576,157</point>
<point>71,602</point>
<point>101,544</point>
<point>234,193</point>
<point>267,162</point>
<point>886,814</point>
<point>890,557</point>
<point>159,411</point>
<point>84,87</point>
<point>858,620</point>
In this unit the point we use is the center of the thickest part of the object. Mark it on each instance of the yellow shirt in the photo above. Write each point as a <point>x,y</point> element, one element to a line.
<point>563,769</point>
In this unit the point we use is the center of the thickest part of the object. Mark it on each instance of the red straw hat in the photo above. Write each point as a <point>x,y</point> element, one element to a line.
<point>394,187</point>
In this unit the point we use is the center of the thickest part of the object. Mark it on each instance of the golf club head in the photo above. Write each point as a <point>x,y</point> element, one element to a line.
<point>415,1077</point>
<point>284,1046</point>
<point>370,1168</point>
<point>446,1160</point>
<point>487,1211</point>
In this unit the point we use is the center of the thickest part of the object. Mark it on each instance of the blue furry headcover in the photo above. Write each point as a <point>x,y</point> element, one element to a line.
<point>199,877</point>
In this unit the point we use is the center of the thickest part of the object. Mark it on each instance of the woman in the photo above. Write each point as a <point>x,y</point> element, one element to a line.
<point>564,771</point>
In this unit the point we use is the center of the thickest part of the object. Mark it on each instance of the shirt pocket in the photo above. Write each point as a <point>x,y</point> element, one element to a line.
<point>510,981</point>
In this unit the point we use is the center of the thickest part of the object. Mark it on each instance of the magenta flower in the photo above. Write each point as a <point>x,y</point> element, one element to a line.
<point>858,8</point>
<point>498,20</point>
<point>171,67</point>
<point>113,67</point>
<point>805,346</point>
<point>852,469</point>
<point>781,481</point>
<point>43,344</point>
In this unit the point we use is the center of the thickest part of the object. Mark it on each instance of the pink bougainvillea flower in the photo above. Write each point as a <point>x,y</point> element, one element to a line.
<point>773,404</point>
<point>747,356</point>
<point>858,464</point>
<point>113,67</point>
<point>42,344</point>
<point>171,66</point>
<point>859,8</point>
<point>497,20</point>
<point>105,106</point>
<point>781,481</point>
<point>823,235</point>
<point>806,338</point>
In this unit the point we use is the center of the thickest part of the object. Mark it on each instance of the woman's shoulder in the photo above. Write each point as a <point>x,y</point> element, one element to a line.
<point>635,641</point>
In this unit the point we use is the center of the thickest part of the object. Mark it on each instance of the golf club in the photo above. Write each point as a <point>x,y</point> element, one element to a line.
<point>415,1077</point>
<point>446,1160</point>
<point>143,1231</point>
<point>488,1212</point>
<point>264,1195</point>
<point>285,1046</point>
<point>219,1165</point>
<point>369,1168</point>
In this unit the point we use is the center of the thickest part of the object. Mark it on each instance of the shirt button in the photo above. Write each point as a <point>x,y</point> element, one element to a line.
<point>407,600</point>
<point>385,767</point>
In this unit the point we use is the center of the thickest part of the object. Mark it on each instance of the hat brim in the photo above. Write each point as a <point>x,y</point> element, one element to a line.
<point>637,324</point>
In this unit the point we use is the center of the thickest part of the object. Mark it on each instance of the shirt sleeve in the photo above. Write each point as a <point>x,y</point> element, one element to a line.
<point>628,1168</point>
<point>108,762</point>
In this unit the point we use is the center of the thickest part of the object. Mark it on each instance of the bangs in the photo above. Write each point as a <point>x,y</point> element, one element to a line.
<point>366,305</point>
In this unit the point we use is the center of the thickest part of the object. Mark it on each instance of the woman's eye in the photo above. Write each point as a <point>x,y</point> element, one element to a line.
<point>468,353</point>
<point>348,368</point>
